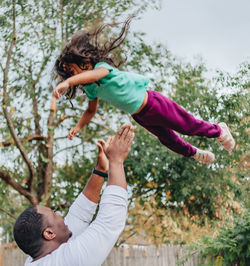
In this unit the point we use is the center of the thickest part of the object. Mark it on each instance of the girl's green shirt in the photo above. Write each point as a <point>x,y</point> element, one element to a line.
<point>122,89</point>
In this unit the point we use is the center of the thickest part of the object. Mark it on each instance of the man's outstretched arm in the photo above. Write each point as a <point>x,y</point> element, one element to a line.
<point>82,210</point>
<point>93,188</point>
<point>95,243</point>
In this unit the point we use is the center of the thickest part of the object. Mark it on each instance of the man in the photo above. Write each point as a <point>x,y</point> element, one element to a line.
<point>52,241</point>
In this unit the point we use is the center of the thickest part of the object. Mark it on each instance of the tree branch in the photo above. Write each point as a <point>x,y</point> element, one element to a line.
<point>19,145</point>
<point>108,129</point>
<point>34,103</point>
<point>37,117</point>
<point>6,144</point>
<point>23,191</point>
<point>67,148</point>
<point>8,213</point>
<point>1,65</point>
<point>12,44</point>
<point>46,60</point>
<point>62,118</point>
<point>63,137</point>
<point>30,138</point>
<point>61,206</point>
<point>5,101</point>
<point>49,145</point>
<point>36,137</point>
<point>61,21</point>
<point>132,234</point>
<point>35,113</point>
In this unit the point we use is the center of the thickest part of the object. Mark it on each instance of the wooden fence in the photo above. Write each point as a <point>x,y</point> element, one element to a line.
<point>11,255</point>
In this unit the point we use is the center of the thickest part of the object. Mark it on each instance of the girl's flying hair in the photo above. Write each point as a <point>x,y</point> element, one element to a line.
<point>84,50</point>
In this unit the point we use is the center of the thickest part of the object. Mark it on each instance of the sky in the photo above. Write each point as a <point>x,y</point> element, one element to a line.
<point>216,30</point>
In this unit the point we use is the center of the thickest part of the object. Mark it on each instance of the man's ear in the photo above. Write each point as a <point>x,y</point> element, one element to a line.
<point>49,234</point>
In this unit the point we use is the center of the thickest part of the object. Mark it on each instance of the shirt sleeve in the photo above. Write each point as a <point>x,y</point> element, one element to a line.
<point>91,247</point>
<point>93,88</point>
<point>105,65</point>
<point>80,215</point>
<point>91,91</point>
<point>96,242</point>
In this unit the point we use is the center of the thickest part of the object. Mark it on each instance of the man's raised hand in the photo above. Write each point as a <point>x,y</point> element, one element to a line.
<point>117,148</point>
<point>102,160</point>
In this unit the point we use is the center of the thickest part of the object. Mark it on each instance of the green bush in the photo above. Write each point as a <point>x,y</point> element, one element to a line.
<point>230,247</point>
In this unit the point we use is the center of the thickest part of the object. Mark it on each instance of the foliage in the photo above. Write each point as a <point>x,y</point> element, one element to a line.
<point>43,166</point>
<point>182,185</point>
<point>33,131</point>
<point>201,188</point>
<point>149,224</point>
<point>11,203</point>
<point>231,245</point>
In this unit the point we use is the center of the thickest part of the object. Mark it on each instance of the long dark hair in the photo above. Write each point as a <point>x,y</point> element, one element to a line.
<point>85,49</point>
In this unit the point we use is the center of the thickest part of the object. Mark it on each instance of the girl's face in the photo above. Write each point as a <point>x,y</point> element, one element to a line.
<point>75,69</point>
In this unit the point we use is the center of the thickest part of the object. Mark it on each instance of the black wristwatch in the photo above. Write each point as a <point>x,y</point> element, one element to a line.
<point>100,173</point>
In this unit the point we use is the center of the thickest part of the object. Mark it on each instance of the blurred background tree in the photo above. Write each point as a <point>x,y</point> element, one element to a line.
<point>187,198</point>
<point>171,197</point>
<point>33,132</point>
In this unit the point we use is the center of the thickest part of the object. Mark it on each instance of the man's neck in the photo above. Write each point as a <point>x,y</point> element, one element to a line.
<point>50,247</point>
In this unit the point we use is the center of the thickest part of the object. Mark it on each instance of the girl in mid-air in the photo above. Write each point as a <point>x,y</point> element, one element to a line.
<point>85,63</point>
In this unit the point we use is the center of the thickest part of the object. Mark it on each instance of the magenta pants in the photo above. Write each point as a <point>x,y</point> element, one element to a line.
<point>162,116</point>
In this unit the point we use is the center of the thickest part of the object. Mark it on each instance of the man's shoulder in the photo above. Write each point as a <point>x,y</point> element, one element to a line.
<point>56,257</point>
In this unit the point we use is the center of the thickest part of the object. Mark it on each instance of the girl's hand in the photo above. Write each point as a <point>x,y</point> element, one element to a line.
<point>60,89</point>
<point>73,132</point>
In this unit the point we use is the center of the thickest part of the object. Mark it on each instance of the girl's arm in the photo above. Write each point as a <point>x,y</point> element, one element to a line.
<point>86,117</point>
<point>86,77</point>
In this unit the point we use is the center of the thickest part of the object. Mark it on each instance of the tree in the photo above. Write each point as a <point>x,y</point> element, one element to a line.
<point>197,185</point>
<point>180,185</point>
<point>41,165</point>
<point>33,131</point>
<point>230,244</point>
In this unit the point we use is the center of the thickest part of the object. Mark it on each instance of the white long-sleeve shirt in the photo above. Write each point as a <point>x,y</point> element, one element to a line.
<point>90,244</point>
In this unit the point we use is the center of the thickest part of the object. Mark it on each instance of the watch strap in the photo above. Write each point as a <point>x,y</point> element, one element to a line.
<point>100,173</point>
